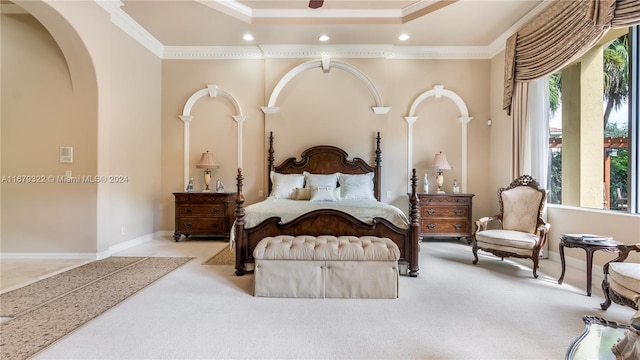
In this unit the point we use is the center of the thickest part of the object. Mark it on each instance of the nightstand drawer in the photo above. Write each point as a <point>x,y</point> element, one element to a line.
<point>201,210</point>
<point>187,225</point>
<point>445,215</point>
<point>433,226</point>
<point>446,211</point>
<point>204,214</point>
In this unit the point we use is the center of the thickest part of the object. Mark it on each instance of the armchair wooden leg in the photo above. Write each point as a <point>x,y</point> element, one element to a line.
<point>475,253</point>
<point>605,289</point>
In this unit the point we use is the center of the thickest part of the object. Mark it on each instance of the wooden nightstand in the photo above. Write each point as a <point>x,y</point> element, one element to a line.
<point>204,213</point>
<point>445,215</point>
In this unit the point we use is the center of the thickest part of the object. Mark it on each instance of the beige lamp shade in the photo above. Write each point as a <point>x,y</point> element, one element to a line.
<point>440,162</point>
<point>207,161</point>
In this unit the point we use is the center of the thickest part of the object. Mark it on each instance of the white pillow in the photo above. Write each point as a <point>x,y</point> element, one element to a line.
<point>336,193</point>
<point>322,193</point>
<point>320,180</point>
<point>356,186</point>
<point>283,186</point>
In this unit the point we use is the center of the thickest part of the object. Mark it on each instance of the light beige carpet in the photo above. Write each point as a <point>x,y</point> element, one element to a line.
<point>223,257</point>
<point>37,315</point>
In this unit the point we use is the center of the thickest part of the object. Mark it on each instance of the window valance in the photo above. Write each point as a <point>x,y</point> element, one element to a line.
<point>560,34</point>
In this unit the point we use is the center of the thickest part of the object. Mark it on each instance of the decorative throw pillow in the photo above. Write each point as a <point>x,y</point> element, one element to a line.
<point>356,186</point>
<point>320,180</point>
<point>302,194</point>
<point>283,186</point>
<point>322,194</point>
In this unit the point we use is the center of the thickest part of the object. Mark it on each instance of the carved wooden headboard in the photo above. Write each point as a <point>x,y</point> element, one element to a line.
<point>327,159</point>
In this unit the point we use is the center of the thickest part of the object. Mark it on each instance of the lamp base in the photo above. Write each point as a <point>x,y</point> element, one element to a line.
<point>440,192</point>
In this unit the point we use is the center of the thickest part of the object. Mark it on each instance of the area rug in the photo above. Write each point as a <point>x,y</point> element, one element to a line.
<point>37,315</point>
<point>223,257</point>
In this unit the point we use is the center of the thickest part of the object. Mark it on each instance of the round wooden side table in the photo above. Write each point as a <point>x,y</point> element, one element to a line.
<point>590,244</point>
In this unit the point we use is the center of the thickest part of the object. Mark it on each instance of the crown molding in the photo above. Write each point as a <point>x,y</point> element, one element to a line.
<point>498,44</point>
<point>390,52</point>
<point>382,51</point>
<point>211,52</point>
<point>130,26</point>
<point>261,15</point>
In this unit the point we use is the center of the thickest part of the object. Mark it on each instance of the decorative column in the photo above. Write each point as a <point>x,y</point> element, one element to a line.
<point>186,119</point>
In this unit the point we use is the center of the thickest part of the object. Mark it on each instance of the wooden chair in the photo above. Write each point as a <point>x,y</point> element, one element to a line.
<point>621,282</point>
<point>522,232</point>
<point>622,200</point>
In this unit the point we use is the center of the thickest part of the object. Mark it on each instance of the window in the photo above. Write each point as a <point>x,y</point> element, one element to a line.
<point>593,131</point>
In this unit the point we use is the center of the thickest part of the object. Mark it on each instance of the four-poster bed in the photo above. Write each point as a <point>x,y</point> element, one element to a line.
<point>355,211</point>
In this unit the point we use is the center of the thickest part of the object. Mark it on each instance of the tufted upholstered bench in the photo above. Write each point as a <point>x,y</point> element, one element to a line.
<point>326,266</point>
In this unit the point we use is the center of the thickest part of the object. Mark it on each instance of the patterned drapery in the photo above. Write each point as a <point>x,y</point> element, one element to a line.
<point>560,34</point>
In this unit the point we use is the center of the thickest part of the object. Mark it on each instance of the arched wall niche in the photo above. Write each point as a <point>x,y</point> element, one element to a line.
<point>326,64</point>
<point>212,91</point>
<point>437,92</point>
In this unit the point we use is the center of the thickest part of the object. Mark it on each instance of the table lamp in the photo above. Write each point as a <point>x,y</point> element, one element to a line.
<point>207,162</point>
<point>440,162</point>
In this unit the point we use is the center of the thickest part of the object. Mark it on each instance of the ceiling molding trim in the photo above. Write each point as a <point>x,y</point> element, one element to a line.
<point>499,43</point>
<point>131,27</point>
<point>439,52</point>
<point>314,51</point>
<point>230,7</point>
<point>324,14</point>
<point>268,15</point>
<point>212,52</point>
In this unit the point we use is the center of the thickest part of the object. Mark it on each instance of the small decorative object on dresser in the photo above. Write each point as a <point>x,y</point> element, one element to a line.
<point>426,184</point>
<point>204,213</point>
<point>445,215</point>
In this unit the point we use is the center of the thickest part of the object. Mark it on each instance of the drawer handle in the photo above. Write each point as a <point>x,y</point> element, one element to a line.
<point>458,211</point>
<point>457,226</point>
<point>215,210</point>
<point>188,210</point>
<point>188,224</point>
<point>215,225</point>
<point>431,226</point>
<point>431,211</point>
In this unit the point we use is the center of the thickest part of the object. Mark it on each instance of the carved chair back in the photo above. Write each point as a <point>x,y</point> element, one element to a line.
<point>521,205</point>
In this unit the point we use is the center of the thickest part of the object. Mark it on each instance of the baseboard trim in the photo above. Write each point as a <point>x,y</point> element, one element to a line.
<point>89,256</point>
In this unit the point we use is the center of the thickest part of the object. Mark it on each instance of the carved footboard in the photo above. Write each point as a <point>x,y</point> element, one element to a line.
<point>327,222</point>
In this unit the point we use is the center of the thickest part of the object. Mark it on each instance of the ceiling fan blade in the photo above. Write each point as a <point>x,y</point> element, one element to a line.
<point>314,4</point>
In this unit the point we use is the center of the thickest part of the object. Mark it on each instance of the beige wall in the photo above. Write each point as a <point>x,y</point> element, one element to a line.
<point>319,108</point>
<point>79,81</point>
<point>42,109</point>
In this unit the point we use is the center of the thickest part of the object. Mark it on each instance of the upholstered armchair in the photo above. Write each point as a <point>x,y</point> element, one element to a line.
<point>521,231</point>
<point>621,282</point>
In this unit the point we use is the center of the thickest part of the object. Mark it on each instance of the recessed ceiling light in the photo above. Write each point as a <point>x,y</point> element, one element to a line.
<point>248,37</point>
<point>403,37</point>
<point>323,38</point>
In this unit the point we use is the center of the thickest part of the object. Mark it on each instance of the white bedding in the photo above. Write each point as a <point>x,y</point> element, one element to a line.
<point>362,209</point>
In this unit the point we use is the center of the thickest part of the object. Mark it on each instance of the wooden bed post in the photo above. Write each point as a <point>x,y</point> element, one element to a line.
<point>414,216</point>
<point>377,190</point>
<point>271,161</point>
<point>241,244</point>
